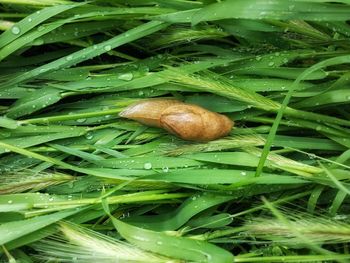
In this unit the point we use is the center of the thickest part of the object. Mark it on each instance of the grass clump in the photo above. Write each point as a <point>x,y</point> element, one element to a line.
<point>80,184</point>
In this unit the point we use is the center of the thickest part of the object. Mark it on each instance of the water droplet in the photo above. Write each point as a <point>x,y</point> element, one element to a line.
<point>126,76</point>
<point>10,201</point>
<point>243,173</point>
<point>107,48</point>
<point>258,58</point>
<point>147,166</point>
<point>159,243</point>
<point>81,120</point>
<point>70,57</point>
<point>271,63</point>
<point>89,135</point>
<point>194,197</point>
<point>141,93</point>
<point>318,128</point>
<point>41,28</point>
<point>38,42</point>
<point>30,19</point>
<point>285,60</point>
<point>165,169</point>
<point>312,156</point>
<point>15,30</point>
<point>51,199</point>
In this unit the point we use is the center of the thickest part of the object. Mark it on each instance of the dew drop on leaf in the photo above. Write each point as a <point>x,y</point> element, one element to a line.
<point>107,48</point>
<point>15,30</point>
<point>89,136</point>
<point>81,120</point>
<point>41,28</point>
<point>126,76</point>
<point>147,166</point>
<point>38,42</point>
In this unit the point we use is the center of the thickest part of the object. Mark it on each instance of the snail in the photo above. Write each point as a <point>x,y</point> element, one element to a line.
<point>187,121</point>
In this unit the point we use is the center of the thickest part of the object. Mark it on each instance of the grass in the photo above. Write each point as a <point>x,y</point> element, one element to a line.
<point>80,184</point>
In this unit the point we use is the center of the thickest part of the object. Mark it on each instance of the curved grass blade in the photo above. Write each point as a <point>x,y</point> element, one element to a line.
<point>328,62</point>
<point>85,245</point>
<point>89,52</point>
<point>30,37</point>
<point>29,22</point>
<point>13,230</point>
<point>171,246</point>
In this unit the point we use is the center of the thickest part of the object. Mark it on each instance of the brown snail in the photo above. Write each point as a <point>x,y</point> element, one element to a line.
<point>187,121</point>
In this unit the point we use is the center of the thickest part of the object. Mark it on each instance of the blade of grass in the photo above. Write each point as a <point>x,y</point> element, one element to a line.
<point>89,52</point>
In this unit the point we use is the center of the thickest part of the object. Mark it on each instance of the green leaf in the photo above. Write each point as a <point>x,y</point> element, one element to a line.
<point>36,101</point>
<point>161,243</point>
<point>29,22</point>
<point>8,123</point>
<point>273,9</point>
<point>13,230</point>
<point>89,52</point>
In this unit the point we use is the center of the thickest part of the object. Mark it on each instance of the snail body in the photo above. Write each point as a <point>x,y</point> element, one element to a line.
<point>148,112</point>
<point>187,121</point>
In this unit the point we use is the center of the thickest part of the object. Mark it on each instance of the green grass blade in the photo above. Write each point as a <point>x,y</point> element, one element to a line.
<point>89,52</point>
<point>275,10</point>
<point>12,230</point>
<point>29,22</point>
<point>168,245</point>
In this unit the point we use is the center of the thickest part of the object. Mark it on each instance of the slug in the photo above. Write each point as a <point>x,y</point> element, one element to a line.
<point>187,121</point>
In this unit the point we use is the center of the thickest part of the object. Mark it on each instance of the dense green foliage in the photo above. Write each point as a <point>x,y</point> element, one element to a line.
<point>80,184</point>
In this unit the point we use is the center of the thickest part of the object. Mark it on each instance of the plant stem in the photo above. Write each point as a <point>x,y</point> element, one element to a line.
<point>57,118</point>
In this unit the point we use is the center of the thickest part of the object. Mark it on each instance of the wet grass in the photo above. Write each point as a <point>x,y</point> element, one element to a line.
<point>80,184</point>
